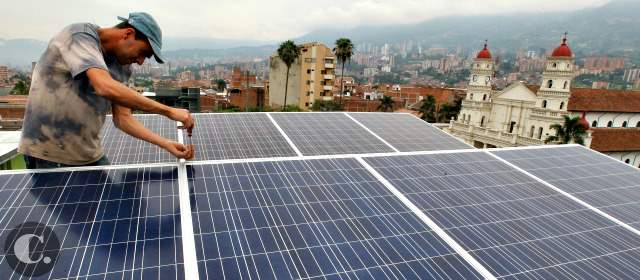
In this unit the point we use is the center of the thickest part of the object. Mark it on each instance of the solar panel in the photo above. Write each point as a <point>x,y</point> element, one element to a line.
<point>408,133</point>
<point>236,136</point>
<point>328,134</point>
<point>307,220</point>
<point>605,183</point>
<point>517,227</point>
<point>110,224</point>
<point>122,148</point>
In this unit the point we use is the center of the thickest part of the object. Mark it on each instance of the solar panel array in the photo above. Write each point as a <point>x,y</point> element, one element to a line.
<point>235,136</point>
<point>121,148</point>
<point>408,133</point>
<point>253,206</point>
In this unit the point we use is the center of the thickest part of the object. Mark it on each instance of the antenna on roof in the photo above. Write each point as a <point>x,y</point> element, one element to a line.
<point>564,39</point>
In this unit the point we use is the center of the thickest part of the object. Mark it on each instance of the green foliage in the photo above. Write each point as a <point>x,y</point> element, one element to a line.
<point>291,108</point>
<point>387,78</point>
<point>325,106</point>
<point>386,104</point>
<point>572,131</point>
<point>428,109</point>
<point>221,84</point>
<point>20,88</point>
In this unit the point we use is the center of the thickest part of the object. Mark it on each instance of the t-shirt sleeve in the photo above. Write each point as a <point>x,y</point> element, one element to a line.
<point>82,52</point>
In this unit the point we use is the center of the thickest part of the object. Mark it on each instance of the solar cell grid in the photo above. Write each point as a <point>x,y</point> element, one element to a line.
<point>515,226</point>
<point>328,134</point>
<point>238,136</point>
<point>408,133</point>
<point>122,148</point>
<point>308,220</point>
<point>110,223</point>
<point>605,183</point>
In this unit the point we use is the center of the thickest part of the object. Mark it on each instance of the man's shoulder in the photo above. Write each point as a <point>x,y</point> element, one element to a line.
<point>81,28</point>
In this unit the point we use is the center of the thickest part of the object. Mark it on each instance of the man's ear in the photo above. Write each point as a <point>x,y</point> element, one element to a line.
<point>129,33</point>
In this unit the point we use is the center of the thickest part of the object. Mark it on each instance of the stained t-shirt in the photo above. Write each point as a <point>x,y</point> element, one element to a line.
<point>64,115</point>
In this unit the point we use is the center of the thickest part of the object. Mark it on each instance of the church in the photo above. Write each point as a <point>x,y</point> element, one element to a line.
<point>522,115</point>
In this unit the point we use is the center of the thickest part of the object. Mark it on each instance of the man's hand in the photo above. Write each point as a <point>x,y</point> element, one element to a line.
<point>183,116</point>
<point>179,150</point>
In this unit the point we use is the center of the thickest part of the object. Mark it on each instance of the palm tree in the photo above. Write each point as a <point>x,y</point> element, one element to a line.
<point>386,103</point>
<point>571,131</point>
<point>428,108</point>
<point>343,51</point>
<point>288,52</point>
<point>221,84</point>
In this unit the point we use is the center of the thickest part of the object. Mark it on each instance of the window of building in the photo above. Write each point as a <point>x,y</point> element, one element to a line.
<point>474,78</point>
<point>323,72</point>
<point>308,71</point>
<point>544,103</point>
<point>566,84</point>
<point>638,124</point>
<point>610,124</point>
<point>561,105</point>
<point>533,129</point>
<point>540,130</point>
<point>568,66</point>
<point>484,97</point>
<point>468,118</point>
<point>554,65</point>
<point>627,161</point>
<point>464,117</point>
<point>512,126</point>
<point>624,124</point>
<point>471,96</point>
<point>594,124</point>
<point>549,84</point>
<point>482,121</point>
<point>306,104</point>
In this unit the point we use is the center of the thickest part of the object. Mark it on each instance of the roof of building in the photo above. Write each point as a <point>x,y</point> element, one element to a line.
<point>14,99</point>
<point>484,53</point>
<point>604,100</point>
<point>615,139</point>
<point>563,50</point>
<point>9,144</point>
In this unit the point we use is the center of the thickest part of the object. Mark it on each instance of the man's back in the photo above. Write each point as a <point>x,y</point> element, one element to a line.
<point>64,115</point>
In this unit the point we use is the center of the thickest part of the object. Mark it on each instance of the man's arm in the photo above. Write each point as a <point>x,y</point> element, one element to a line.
<point>124,120</point>
<point>118,93</point>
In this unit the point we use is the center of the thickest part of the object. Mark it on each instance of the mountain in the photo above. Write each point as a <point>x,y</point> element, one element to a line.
<point>612,27</point>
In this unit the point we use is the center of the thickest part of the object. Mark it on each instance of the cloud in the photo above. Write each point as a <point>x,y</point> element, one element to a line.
<point>254,19</point>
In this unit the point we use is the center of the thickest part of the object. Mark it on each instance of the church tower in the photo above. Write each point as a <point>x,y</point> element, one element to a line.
<point>556,78</point>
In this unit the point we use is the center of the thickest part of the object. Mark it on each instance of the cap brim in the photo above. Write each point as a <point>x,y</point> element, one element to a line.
<point>156,53</point>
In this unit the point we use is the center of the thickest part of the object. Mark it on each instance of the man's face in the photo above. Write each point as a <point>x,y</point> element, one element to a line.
<point>130,50</point>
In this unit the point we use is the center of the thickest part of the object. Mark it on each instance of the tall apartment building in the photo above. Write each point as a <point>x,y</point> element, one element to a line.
<point>311,77</point>
<point>4,73</point>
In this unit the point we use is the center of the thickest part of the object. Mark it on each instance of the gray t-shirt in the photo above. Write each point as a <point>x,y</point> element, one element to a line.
<point>64,115</point>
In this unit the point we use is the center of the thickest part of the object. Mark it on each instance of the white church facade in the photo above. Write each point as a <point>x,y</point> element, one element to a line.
<point>521,115</point>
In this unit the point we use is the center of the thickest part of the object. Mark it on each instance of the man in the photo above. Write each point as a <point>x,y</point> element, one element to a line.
<point>78,80</point>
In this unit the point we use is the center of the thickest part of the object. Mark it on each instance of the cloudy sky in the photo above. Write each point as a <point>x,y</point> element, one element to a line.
<point>263,20</point>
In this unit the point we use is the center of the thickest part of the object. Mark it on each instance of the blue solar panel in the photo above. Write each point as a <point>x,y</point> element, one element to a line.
<point>235,136</point>
<point>308,220</point>
<point>605,183</point>
<point>408,133</point>
<point>110,224</point>
<point>515,226</point>
<point>328,134</point>
<point>122,148</point>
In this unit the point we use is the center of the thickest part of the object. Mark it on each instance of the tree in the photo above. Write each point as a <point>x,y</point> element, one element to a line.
<point>447,111</point>
<point>386,104</point>
<point>572,131</point>
<point>287,52</point>
<point>324,106</point>
<point>20,88</point>
<point>221,84</point>
<point>428,109</point>
<point>343,51</point>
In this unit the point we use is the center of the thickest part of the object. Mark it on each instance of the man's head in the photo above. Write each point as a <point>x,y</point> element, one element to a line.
<point>138,38</point>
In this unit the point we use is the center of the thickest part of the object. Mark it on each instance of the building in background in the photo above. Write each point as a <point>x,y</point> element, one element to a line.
<point>522,115</point>
<point>631,75</point>
<point>311,77</point>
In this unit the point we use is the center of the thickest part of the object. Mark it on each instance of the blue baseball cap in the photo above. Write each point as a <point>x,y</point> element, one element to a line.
<point>145,23</point>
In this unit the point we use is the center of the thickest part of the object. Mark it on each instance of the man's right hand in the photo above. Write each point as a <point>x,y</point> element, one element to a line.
<point>183,116</point>
<point>179,150</point>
